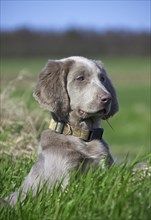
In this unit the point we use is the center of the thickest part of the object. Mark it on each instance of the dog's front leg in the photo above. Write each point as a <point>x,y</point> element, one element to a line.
<point>33,181</point>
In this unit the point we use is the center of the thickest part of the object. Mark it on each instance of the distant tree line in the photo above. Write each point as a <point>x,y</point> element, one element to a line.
<point>26,43</point>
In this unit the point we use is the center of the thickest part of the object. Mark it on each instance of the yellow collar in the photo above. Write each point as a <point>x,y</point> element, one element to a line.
<point>66,129</point>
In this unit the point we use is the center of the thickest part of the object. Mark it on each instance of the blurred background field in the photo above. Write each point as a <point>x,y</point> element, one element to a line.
<point>119,36</point>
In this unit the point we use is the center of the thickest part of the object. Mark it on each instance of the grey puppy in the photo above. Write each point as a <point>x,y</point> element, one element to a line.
<point>78,93</point>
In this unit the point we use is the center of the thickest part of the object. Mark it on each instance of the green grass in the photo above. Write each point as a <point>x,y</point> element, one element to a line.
<point>12,67</point>
<point>118,193</point>
<point>114,194</point>
<point>128,66</point>
<point>132,124</point>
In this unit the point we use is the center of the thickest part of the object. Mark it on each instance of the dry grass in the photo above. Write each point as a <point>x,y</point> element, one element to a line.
<point>20,126</point>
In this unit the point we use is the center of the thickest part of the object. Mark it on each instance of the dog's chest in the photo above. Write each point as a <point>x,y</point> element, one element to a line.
<point>64,153</point>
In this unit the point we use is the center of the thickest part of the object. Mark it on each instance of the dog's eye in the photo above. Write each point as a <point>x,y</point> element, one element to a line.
<point>80,78</point>
<point>102,78</point>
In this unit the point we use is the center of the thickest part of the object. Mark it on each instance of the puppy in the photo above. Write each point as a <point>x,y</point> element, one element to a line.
<point>79,94</point>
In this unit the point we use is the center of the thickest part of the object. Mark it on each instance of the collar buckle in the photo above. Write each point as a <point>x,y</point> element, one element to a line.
<point>96,134</point>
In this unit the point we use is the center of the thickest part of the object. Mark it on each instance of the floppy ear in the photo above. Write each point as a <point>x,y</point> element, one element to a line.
<point>114,105</point>
<point>51,92</point>
<point>109,86</point>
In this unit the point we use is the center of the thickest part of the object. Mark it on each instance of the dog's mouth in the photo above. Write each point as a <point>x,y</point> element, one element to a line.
<point>102,113</point>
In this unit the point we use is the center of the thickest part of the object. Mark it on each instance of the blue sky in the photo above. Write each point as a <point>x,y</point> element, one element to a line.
<point>100,15</point>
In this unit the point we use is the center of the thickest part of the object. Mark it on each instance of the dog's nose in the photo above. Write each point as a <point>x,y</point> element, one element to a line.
<point>105,99</point>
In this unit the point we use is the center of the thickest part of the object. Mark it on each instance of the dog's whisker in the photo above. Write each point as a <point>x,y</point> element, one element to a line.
<point>109,125</point>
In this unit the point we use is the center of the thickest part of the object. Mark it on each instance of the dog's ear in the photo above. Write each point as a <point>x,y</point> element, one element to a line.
<point>114,105</point>
<point>51,92</point>
<point>109,86</point>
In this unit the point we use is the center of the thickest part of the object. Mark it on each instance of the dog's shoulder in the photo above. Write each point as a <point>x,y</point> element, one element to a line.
<point>50,139</point>
<point>46,139</point>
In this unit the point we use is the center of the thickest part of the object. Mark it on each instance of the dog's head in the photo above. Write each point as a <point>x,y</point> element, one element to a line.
<point>76,84</point>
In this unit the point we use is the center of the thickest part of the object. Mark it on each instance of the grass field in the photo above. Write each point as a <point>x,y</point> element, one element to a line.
<point>113,194</point>
<point>119,193</point>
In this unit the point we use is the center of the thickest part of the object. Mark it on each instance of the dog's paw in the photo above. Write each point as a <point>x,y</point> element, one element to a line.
<point>96,150</point>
